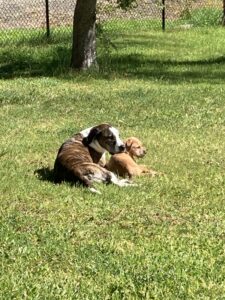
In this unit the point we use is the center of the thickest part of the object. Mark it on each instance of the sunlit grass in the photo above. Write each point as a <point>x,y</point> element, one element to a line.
<point>160,240</point>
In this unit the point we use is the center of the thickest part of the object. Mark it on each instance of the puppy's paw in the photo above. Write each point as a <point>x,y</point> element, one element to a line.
<point>153,173</point>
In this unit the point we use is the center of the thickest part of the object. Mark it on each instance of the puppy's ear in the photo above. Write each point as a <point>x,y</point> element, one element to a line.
<point>93,134</point>
<point>128,144</point>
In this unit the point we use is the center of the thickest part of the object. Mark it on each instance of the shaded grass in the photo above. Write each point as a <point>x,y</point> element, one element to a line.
<point>161,240</point>
<point>156,57</point>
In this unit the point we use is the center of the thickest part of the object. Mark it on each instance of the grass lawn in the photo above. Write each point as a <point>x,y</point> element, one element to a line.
<point>163,239</point>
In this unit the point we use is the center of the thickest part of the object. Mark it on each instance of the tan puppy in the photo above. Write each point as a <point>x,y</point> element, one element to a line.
<point>124,164</point>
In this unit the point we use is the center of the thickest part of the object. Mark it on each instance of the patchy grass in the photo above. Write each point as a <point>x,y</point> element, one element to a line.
<point>161,240</point>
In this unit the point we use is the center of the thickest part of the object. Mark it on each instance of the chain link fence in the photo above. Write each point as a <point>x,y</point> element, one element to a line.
<point>26,18</point>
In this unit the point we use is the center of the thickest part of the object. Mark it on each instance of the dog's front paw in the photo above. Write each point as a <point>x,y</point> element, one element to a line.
<point>127,182</point>
<point>93,190</point>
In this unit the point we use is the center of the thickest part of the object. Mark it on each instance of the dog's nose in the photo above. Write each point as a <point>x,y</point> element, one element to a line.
<point>145,151</point>
<point>122,148</point>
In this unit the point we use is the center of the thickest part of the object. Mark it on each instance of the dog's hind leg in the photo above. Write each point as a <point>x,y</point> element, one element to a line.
<point>88,182</point>
<point>90,173</point>
<point>103,175</point>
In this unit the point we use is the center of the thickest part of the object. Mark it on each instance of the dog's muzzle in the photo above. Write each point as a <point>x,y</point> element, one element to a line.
<point>118,149</point>
<point>122,148</point>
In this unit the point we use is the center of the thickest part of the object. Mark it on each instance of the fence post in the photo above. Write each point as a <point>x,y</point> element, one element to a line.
<point>47,18</point>
<point>164,15</point>
<point>223,21</point>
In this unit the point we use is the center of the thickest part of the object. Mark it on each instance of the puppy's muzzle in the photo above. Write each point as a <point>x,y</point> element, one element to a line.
<point>142,154</point>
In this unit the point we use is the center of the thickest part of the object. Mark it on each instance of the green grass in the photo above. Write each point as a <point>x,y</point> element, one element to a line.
<point>163,239</point>
<point>204,17</point>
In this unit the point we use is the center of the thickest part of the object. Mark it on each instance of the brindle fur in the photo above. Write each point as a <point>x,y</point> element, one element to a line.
<point>78,161</point>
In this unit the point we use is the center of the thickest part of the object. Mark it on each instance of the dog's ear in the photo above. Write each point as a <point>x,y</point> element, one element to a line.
<point>128,144</point>
<point>92,134</point>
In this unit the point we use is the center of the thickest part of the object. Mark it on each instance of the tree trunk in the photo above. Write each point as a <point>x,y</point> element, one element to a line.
<point>84,37</point>
<point>223,21</point>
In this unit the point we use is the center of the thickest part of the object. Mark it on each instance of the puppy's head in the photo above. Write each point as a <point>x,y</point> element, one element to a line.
<point>104,137</point>
<point>134,147</point>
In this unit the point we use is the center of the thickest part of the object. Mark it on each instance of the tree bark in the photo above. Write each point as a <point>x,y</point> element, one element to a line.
<point>84,36</point>
<point>223,20</point>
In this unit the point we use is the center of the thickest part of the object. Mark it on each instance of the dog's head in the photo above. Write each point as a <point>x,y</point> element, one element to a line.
<point>134,147</point>
<point>103,138</point>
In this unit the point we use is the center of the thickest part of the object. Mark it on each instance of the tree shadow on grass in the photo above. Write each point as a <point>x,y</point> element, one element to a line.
<point>209,70</point>
<point>52,59</point>
<point>26,64</point>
